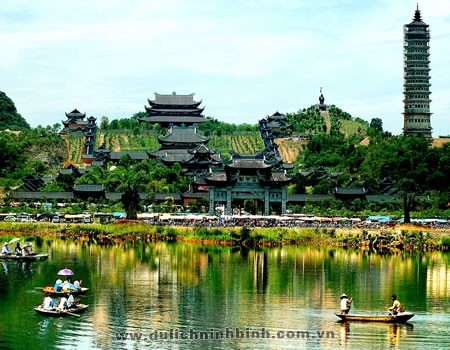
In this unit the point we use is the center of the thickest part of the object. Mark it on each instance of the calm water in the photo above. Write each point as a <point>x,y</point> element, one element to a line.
<point>168,291</point>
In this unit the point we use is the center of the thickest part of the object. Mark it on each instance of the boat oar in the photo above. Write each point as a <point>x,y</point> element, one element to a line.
<point>70,313</point>
<point>391,313</point>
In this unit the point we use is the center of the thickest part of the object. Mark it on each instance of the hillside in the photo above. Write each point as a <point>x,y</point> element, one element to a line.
<point>123,141</point>
<point>291,147</point>
<point>226,138</point>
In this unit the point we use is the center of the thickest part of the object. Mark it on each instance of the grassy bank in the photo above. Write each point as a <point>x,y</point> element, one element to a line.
<point>401,237</point>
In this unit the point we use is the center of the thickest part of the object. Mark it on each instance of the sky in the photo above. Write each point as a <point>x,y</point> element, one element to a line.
<point>244,59</point>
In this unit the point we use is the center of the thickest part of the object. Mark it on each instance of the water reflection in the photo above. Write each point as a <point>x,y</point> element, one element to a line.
<point>140,287</point>
<point>393,333</point>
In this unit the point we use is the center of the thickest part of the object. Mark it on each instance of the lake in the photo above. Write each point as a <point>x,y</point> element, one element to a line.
<point>184,296</point>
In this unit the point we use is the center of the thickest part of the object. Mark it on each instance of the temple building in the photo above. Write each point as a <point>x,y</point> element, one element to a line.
<point>177,144</point>
<point>169,110</point>
<point>101,156</point>
<point>89,140</point>
<point>248,177</point>
<point>75,122</point>
<point>416,50</point>
<point>200,161</point>
<point>279,124</point>
<point>261,178</point>
<point>179,141</point>
<point>198,188</point>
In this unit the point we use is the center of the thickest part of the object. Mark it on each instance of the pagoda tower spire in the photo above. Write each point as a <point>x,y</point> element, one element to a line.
<point>416,84</point>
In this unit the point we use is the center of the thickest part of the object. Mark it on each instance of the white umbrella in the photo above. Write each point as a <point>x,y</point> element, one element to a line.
<point>14,240</point>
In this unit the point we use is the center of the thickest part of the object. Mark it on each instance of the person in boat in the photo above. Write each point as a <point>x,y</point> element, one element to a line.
<point>345,304</point>
<point>70,303</point>
<point>27,250</point>
<point>67,285</point>
<point>77,284</point>
<point>57,287</point>
<point>396,306</point>
<point>48,302</point>
<point>5,249</point>
<point>62,303</point>
<point>18,250</point>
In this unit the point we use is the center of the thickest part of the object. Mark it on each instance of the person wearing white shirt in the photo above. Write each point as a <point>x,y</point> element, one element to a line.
<point>70,301</point>
<point>345,304</point>
<point>48,304</point>
<point>62,303</point>
<point>5,249</point>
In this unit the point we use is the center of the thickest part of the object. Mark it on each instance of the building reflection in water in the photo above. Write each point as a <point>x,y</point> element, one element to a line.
<point>161,285</point>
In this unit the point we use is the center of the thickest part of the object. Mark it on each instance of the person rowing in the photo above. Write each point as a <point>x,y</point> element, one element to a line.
<point>396,306</point>
<point>345,304</point>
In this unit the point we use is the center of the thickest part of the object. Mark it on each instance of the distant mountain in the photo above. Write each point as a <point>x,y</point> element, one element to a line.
<point>9,118</point>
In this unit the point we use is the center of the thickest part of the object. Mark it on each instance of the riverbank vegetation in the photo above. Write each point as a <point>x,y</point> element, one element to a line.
<point>402,237</point>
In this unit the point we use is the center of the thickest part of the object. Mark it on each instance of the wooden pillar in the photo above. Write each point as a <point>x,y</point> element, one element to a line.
<point>283,199</point>
<point>266,201</point>
<point>212,203</point>
<point>228,210</point>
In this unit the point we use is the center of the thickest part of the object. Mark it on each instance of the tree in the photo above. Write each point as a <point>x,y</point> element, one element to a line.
<point>405,159</point>
<point>130,199</point>
<point>376,124</point>
<point>249,206</point>
<point>131,184</point>
<point>104,123</point>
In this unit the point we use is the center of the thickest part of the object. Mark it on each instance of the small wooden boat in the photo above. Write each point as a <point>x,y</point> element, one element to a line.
<point>31,257</point>
<point>399,318</point>
<point>74,311</point>
<point>52,292</point>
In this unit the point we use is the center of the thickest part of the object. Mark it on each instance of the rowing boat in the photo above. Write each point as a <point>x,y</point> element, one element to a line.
<point>51,291</point>
<point>74,311</point>
<point>32,257</point>
<point>399,318</point>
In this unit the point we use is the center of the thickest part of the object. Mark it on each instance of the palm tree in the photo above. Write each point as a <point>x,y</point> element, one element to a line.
<point>130,184</point>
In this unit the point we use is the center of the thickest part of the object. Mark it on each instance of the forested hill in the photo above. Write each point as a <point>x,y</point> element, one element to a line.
<point>41,150</point>
<point>127,135</point>
<point>9,118</point>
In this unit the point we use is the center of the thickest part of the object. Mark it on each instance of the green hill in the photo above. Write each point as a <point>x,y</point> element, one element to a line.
<point>9,118</point>
<point>227,138</point>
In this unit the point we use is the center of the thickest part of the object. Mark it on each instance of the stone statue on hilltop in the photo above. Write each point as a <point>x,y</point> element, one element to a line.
<point>321,98</point>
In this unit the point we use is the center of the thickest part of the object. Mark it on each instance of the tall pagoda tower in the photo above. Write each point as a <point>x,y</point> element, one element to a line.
<point>416,49</point>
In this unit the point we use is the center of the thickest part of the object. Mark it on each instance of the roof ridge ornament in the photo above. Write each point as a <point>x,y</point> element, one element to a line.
<point>417,15</point>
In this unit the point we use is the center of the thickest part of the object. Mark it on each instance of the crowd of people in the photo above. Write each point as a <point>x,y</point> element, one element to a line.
<point>283,221</point>
<point>67,301</point>
<point>66,285</point>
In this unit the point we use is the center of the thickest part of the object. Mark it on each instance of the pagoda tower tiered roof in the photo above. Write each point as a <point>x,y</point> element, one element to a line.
<point>182,136</point>
<point>416,86</point>
<point>179,145</point>
<point>173,109</point>
<point>75,121</point>
<point>201,159</point>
